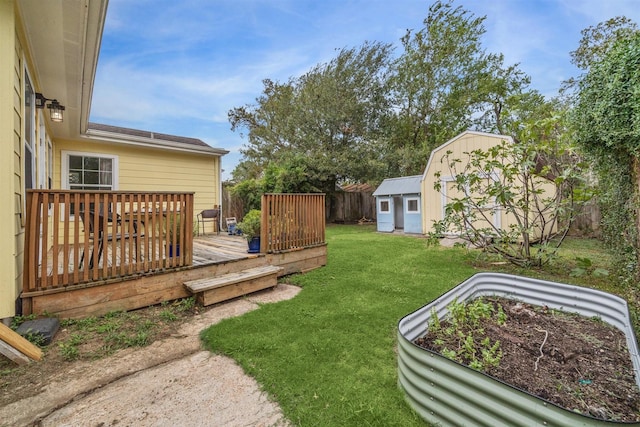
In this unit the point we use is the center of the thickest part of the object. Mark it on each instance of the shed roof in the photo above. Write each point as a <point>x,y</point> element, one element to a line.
<point>399,186</point>
<point>460,136</point>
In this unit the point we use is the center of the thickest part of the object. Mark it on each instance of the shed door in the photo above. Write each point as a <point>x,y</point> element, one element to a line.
<point>491,212</point>
<point>398,213</point>
<point>385,219</point>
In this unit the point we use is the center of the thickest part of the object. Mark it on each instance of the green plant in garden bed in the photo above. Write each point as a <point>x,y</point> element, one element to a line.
<point>460,336</point>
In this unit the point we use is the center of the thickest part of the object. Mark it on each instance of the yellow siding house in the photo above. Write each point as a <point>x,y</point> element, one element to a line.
<point>48,56</point>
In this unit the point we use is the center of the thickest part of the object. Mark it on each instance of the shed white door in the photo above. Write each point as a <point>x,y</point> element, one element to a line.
<point>450,193</point>
<point>385,214</point>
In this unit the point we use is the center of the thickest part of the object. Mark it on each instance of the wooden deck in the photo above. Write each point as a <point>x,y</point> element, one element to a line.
<point>213,256</point>
<point>207,249</point>
<point>214,248</point>
<point>118,253</point>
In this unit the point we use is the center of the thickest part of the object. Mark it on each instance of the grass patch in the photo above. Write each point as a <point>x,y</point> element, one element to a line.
<point>97,337</point>
<point>571,255</point>
<point>328,356</point>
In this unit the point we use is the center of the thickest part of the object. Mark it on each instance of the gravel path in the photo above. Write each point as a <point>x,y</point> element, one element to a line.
<point>172,382</point>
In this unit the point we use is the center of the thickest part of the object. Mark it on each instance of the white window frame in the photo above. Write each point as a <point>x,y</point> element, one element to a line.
<point>49,183</point>
<point>64,169</point>
<point>65,166</point>
<point>497,217</point>
<point>388,210</point>
<point>43,153</point>
<point>28,142</point>
<point>406,206</point>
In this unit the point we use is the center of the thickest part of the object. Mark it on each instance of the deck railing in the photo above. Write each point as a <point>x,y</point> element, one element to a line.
<point>73,236</point>
<point>291,221</point>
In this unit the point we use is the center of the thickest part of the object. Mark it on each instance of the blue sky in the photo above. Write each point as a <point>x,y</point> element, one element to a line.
<point>178,67</point>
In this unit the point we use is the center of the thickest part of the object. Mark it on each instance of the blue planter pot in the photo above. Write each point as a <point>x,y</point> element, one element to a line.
<point>171,251</point>
<point>254,245</point>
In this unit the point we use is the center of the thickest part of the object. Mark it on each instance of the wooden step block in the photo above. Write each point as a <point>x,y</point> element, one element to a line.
<point>231,285</point>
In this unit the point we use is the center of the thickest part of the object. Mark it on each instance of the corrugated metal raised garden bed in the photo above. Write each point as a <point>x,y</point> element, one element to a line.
<point>446,392</point>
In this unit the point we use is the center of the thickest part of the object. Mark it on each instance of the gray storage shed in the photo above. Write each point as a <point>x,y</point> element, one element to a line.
<point>398,204</point>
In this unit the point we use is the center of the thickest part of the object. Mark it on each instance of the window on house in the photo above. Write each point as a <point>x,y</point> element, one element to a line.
<point>29,133</point>
<point>384,206</point>
<point>49,165</point>
<point>42,153</point>
<point>89,171</point>
<point>413,206</point>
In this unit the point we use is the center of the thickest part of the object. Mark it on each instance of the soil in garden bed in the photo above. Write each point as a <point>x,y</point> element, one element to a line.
<point>581,364</point>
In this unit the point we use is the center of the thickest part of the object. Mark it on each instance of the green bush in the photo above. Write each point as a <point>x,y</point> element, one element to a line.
<point>250,224</point>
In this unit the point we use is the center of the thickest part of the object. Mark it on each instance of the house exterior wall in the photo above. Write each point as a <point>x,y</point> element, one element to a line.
<point>15,63</point>
<point>18,179</point>
<point>9,122</point>
<point>152,170</point>
<point>140,168</point>
<point>433,201</point>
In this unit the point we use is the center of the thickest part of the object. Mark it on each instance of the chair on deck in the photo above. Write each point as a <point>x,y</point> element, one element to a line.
<point>100,235</point>
<point>231,225</point>
<point>209,215</point>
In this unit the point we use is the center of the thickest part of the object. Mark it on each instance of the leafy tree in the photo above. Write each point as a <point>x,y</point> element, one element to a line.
<point>442,79</point>
<point>607,126</point>
<point>505,101</point>
<point>328,118</point>
<point>596,41</point>
<point>363,117</point>
<point>290,177</point>
<point>245,169</point>
<point>250,192</point>
<point>536,181</point>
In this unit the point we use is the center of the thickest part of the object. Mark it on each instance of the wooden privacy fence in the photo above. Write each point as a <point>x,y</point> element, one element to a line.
<point>291,221</point>
<point>73,236</point>
<point>351,206</point>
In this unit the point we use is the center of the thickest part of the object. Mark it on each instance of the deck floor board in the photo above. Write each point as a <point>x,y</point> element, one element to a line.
<point>207,249</point>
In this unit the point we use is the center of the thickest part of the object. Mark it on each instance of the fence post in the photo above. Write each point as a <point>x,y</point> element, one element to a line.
<point>264,223</point>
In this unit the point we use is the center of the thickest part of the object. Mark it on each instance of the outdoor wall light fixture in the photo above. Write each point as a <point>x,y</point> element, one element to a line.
<point>55,109</point>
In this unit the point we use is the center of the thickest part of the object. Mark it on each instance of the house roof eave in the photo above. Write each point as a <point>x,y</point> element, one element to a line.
<point>63,39</point>
<point>116,138</point>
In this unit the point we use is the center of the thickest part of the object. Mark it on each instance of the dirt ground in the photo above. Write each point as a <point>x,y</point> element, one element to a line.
<point>171,382</point>
<point>578,363</point>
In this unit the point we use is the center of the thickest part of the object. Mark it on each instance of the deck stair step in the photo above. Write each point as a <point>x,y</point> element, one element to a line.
<point>215,289</point>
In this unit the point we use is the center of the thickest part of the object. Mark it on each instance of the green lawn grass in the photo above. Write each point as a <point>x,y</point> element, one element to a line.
<point>328,356</point>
